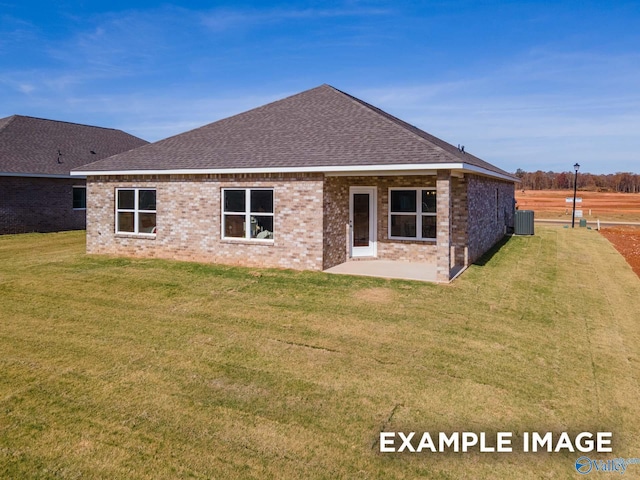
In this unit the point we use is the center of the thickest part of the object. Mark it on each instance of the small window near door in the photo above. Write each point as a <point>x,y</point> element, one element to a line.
<point>412,213</point>
<point>79,197</point>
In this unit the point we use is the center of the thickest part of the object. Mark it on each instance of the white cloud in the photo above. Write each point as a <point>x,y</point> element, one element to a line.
<point>157,115</point>
<point>224,19</point>
<point>544,110</point>
<point>26,88</point>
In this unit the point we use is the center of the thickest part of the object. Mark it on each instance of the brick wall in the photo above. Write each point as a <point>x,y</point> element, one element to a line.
<point>491,211</point>
<point>336,218</point>
<point>29,204</point>
<point>443,250</point>
<point>311,215</point>
<point>189,220</point>
<point>459,231</point>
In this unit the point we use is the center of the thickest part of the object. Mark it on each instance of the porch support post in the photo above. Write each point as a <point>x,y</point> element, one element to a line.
<point>443,208</point>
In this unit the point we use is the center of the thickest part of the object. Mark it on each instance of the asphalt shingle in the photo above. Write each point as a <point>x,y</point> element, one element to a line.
<point>31,145</point>
<point>321,127</point>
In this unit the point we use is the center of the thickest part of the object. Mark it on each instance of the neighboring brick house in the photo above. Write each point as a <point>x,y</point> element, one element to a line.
<point>37,192</point>
<point>307,182</point>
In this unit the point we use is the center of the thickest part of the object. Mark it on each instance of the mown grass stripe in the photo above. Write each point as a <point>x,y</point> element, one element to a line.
<point>121,368</point>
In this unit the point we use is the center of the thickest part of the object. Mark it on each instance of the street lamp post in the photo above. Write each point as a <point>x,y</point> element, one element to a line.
<point>576,167</point>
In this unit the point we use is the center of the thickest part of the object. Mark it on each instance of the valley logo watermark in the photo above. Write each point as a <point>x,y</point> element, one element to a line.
<point>585,465</point>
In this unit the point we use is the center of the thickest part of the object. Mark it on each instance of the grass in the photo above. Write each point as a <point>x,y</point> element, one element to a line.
<point>122,368</point>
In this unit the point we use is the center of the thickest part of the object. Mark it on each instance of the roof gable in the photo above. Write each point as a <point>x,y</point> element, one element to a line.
<point>37,146</point>
<point>321,127</point>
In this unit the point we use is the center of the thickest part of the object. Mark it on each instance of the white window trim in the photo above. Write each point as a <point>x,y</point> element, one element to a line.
<point>85,197</point>
<point>419,214</point>
<point>247,213</point>
<point>136,211</point>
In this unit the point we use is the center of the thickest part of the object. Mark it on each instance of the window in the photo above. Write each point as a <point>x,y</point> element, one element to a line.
<point>79,198</point>
<point>247,213</point>
<point>412,213</point>
<point>136,211</point>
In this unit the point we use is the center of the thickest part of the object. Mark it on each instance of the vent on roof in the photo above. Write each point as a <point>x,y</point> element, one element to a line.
<point>59,156</point>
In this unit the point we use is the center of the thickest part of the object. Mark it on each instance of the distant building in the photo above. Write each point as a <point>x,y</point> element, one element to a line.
<point>37,193</point>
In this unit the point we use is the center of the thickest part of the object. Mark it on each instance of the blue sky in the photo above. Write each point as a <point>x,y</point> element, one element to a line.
<point>531,85</point>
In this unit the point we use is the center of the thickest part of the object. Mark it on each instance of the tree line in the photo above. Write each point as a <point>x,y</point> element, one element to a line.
<point>623,182</point>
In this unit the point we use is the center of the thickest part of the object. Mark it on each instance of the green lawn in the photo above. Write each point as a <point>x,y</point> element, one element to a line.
<point>121,368</point>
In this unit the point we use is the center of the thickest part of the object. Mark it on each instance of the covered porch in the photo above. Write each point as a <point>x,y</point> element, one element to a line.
<point>409,227</point>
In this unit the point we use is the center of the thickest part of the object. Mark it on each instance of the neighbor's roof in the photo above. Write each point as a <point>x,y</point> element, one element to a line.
<point>35,146</point>
<point>322,129</point>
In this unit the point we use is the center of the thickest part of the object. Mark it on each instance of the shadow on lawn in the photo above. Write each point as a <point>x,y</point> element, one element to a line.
<point>486,258</point>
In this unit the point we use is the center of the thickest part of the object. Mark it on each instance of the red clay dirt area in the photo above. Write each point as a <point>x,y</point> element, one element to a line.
<point>627,242</point>
<point>594,205</point>
<point>620,207</point>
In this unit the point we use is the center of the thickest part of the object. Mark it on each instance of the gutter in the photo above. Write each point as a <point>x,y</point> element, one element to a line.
<point>41,175</point>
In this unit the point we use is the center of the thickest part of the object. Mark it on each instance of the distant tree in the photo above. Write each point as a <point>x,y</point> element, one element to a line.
<point>619,182</point>
<point>562,181</point>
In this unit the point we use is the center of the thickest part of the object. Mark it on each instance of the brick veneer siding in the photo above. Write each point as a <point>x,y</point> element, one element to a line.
<point>488,220</point>
<point>31,204</point>
<point>189,220</point>
<point>311,216</point>
<point>459,237</point>
<point>443,255</point>
<point>336,218</point>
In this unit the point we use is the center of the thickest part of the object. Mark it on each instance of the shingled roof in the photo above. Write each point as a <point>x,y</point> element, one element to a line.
<point>35,146</point>
<point>322,129</point>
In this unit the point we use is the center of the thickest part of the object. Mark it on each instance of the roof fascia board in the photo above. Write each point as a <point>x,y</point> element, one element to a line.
<point>483,171</point>
<point>329,170</point>
<point>39,175</point>
<point>382,173</point>
<point>343,170</point>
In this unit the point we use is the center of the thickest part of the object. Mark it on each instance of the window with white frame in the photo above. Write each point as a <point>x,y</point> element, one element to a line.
<point>412,213</point>
<point>247,213</point>
<point>79,197</point>
<point>136,211</point>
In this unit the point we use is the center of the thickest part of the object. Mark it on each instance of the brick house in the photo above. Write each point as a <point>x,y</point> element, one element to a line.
<point>308,182</point>
<point>37,192</point>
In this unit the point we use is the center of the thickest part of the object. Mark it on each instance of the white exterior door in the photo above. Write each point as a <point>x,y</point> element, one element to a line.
<point>362,221</point>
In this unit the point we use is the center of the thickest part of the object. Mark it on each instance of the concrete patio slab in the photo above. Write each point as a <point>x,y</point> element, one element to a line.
<point>425,272</point>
